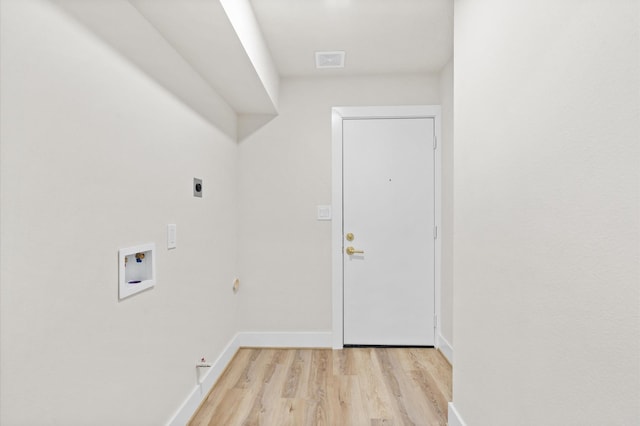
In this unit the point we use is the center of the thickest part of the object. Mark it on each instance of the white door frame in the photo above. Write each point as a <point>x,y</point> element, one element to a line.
<point>338,114</point>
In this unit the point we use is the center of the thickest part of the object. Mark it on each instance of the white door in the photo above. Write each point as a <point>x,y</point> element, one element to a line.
<point>388,207</point>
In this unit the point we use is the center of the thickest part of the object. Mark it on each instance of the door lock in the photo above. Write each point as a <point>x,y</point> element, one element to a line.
<point>351,251</point>
<point>349,237</point>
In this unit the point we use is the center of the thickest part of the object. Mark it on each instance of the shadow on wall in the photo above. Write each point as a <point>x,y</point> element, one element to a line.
<point>250,123</point>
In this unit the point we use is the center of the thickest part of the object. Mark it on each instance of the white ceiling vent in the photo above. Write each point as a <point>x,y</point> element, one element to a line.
<point>330,59</point>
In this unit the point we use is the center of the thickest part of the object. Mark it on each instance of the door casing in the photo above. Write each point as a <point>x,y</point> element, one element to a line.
<point>338,114</point>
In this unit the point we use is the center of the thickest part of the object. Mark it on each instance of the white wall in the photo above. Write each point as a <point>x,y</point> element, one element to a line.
<point>547,211</point>
<point>94,157</point>
<point>446,296</point>
<point>285,172</point>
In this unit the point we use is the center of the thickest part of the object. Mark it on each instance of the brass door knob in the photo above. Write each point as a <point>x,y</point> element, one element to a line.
<point>350,251</point>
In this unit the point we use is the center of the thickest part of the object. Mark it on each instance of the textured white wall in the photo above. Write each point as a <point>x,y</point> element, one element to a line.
<point>547,210</point>
<point>446,296</point>
<point>95,157</point>
<point>285,172</point>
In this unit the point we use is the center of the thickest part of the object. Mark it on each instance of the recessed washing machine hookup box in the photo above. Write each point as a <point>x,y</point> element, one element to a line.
<point>136,270</point>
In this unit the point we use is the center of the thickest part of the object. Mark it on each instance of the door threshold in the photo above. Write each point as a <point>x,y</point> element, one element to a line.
<point>388,346</point>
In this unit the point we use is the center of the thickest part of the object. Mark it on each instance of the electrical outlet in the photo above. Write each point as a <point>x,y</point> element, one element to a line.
<point>197,187</point>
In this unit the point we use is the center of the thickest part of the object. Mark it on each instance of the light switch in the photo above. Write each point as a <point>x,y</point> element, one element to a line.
<point>324,212</point>
<point>171,236</point>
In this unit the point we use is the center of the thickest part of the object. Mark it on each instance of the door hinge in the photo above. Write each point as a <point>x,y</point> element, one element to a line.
<point>435,142</point>
<point>435,232</point>
<point>435,321</point>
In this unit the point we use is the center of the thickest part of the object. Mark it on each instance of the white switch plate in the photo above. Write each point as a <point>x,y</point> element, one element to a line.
<point>171,236</point>
<point>324,212</point>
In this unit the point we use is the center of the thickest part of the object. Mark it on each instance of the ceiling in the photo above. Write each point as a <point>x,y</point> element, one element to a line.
<point>212,56</point>
<point>379,36</point>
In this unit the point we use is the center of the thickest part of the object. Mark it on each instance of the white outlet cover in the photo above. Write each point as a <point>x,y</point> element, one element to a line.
<point>324,212</point>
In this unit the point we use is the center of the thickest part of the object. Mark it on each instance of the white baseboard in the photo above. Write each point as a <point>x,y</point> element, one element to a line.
<point>245,339</point>
<point>454,417</point>
<point>445,347</point>
<point>200,392</point>
<point>260,339</point>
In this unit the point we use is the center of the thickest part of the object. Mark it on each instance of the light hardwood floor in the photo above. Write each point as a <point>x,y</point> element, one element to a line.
<point>354,386</point>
